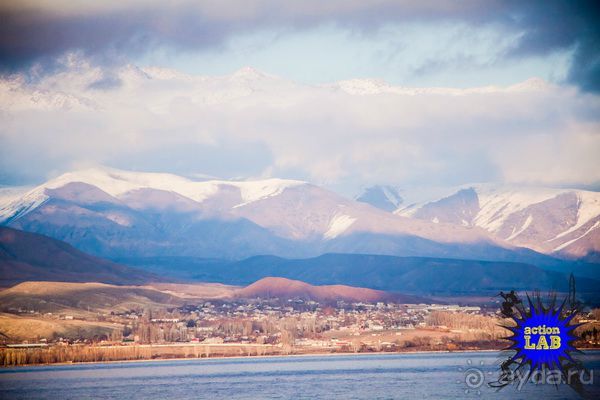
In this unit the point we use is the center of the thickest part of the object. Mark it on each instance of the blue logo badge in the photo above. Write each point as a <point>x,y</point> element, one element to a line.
<point>543,337</point>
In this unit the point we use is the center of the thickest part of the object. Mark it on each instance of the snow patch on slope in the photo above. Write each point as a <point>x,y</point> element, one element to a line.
<point>526,224</point>
<point>498,203</point>
<point>338,225</point>
<point>258,190</point>
<point>566,244</point>
<point>12,193</point>
<point>12,208</point>
<point>589,207</point>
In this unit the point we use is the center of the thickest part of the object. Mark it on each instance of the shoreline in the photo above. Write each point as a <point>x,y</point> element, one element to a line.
<point>237,357</point>
<point>253,357</point>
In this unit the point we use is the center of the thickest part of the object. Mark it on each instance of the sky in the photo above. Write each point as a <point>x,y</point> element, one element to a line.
<point>344,94</point>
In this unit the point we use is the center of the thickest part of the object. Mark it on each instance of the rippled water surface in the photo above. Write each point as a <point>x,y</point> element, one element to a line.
<point>385,376</point>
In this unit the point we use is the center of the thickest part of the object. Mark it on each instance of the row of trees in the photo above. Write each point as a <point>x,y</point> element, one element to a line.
<point>86,353</point>
<point>63,354</point>
<point>477,327</point>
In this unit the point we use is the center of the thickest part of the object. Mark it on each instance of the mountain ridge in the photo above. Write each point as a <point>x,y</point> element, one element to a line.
<point>26,256</point>
<point>112,213</point>
<point>559,222</point>
<point>408,275</point>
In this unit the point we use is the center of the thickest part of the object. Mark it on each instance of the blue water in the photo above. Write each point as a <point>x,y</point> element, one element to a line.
<point>383,376</point>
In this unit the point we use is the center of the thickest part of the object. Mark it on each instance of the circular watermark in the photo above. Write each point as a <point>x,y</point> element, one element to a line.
<point>473,377</point>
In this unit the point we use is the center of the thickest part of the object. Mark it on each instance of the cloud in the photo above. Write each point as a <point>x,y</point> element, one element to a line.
<point>564,24</point>
<point>114,31</point>
<point>251,124</point>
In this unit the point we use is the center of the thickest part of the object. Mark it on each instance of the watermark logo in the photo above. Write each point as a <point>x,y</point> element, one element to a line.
<point>473,377</point>
<point>542,336</point>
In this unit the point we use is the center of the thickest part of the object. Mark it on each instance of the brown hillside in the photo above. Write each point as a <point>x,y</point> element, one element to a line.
<point>28,256</point>
<point>271,287</point>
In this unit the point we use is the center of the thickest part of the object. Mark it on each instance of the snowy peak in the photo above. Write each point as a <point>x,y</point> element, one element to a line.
<point>384,197</point>
<point>116,182</point>
<point>119,183</point>
<point>548,220</point>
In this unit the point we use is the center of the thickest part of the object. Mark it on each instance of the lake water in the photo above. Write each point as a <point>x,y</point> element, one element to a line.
<point>382,376</point>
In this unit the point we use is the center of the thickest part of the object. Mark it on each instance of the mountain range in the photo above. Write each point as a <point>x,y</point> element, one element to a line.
<point>51,275</point>
<point>407,275</point>
<point>560,222</point>
<point>115,214</point>
<point>27,257</point>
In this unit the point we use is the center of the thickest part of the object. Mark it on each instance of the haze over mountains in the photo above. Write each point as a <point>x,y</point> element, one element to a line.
<point>115,214</point>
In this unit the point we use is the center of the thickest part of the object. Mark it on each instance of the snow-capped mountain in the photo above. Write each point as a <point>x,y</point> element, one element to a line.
<point>384,197</point>
<point>564,222</point>
<point>17,202</point>
<point>82,86</point>
<point>117,213</point>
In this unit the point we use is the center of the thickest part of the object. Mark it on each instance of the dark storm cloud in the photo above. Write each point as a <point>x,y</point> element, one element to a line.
<point>552,25</point>
<point>27,36</point>
<point>110,31</point>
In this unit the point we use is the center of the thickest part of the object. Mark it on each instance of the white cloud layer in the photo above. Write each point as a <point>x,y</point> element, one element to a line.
<point>250,124</point>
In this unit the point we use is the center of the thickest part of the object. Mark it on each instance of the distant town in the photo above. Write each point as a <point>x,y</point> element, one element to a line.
<point>257,327</point>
